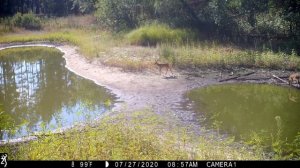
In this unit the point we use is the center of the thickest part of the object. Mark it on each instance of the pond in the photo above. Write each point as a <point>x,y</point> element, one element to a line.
<point>37,93</point>
<point>261,114</point>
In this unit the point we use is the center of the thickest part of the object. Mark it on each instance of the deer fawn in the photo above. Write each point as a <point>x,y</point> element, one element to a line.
<point>161,66</point>
<point>294,77</point>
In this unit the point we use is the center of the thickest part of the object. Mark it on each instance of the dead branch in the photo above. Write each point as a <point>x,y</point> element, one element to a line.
<point>262,78</point>
<point>284,81</point>
<point>235,77</point>
<point>227,79</point>
<point>259,78</point>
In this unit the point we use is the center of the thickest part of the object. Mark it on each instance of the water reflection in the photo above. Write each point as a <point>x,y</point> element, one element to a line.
<point>37,92</point>
<point>241,109</point>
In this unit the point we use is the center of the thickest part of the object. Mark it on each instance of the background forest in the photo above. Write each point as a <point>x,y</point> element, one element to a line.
<point>273,23</point>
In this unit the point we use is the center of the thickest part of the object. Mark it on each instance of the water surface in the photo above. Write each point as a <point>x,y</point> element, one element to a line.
<point>243,110</point>
<point>38,93</point>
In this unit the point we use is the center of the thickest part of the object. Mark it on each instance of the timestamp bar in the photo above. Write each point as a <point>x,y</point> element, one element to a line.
<point>149,164</point>
<point>204,164</point>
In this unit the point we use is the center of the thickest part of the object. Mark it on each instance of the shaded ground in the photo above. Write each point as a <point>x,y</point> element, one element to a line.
<point>149,89</point>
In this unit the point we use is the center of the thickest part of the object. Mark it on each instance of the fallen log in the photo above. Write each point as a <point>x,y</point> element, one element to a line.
<point>262,78</point>
<point>284,81</point>
<point>227,79</point>
<point>235,77</point>
<point>259,78</point>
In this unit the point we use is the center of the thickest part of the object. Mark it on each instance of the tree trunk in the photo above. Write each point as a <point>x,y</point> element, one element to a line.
<point>38,7</point>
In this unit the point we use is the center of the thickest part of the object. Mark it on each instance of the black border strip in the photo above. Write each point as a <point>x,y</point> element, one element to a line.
<point>152,164</point>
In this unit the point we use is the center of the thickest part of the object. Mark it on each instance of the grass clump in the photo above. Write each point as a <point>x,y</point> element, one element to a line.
<point>154,34</point>
<point>141,135</point>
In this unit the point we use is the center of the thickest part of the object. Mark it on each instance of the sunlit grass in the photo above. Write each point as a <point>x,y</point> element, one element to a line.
<point>91,43</point>
<point>137,135</point>
<point>26,51</point>
<point>209,55</point>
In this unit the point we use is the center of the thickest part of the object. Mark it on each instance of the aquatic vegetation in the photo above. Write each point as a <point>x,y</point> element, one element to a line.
<point>264,116</point>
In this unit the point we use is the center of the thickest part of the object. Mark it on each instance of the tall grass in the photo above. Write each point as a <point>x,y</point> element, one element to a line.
<point>86,22</point>
<point>210,55</point>
<point>5,26</point>
<point>81,31</point>
<point>91,43</point>
<point>153,34</point>
<point>179,47</point>
<point>137,135</point>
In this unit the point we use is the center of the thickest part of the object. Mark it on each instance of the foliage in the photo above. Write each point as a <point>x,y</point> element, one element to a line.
<point>47,7</point>
<point>296,146</point>
<point>270,23</point>
<point>176,13</point>
<point>226,15</point>
<point>123,14</point>
<point>82,6</point>
<point>27,21</point>
<point>280,148</point>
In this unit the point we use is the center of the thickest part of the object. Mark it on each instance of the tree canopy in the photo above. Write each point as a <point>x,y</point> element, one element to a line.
<point>46,7</point>
<point>226,19</point>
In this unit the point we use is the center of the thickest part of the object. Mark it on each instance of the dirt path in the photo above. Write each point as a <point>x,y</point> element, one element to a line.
<point>141,90</point>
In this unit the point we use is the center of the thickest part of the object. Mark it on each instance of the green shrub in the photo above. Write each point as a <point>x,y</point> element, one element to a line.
<point>154,34</point>
<point>17,20</point>
<point>27,21</point>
